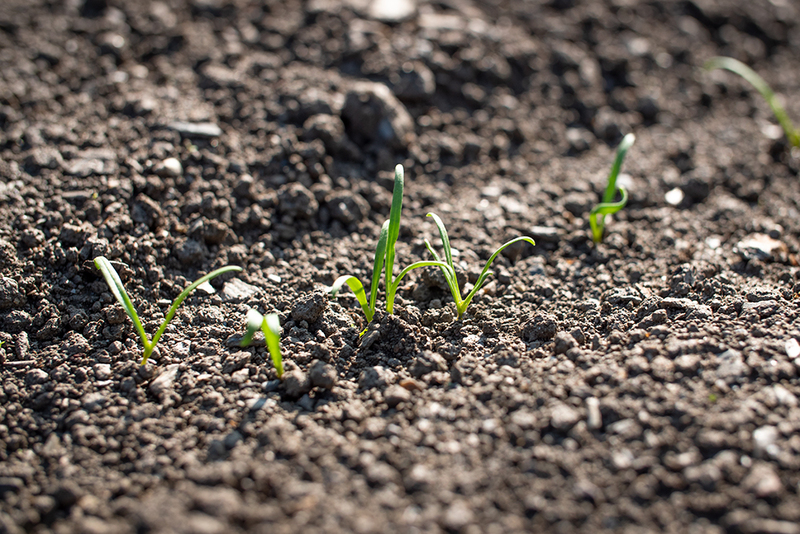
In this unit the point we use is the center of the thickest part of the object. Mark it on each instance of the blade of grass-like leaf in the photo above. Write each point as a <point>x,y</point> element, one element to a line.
<point>185,293</point>
<point>448,253</point>
<point>380,258</point>
<point>253,324</point>
<point>433,252</point>
<point>394,221</point>
<point>622,149</point>
<point>737,67</point>
<point>272,334</point>
<point>358,288</point>
<point>486,272</point>
<point>118,290</point>
<point>598,214</point>
<point>391,290</point>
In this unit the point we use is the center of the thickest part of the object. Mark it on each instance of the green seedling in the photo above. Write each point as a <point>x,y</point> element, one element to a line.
<point>598,214</point>
<point>271,326</point>
<point>449,270</point>
<point>737,67</point>
<point>118,290</point>
<point>384,258</point>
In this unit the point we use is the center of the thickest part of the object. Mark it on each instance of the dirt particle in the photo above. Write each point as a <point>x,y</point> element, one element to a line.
<point>542,327</point>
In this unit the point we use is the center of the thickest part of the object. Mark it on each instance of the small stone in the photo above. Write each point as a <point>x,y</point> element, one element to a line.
<point>792,348</point>
<point>236,290</point>
<point>765,440</point>
<point>36,376</point>
<point>241,376</point>
<point>375,377</point>
<point>396,395</point>
<point>392,11</point>
<point>376,116</point>
<point>457,516</point>
<point>763,481</point>
<point>164,382</point>
<point>322,375</point>
<point>309,308</point>
<point>93,402</point>
<point>541,327</point>
<point>296,383</point>
<point>687,364</point>
<point>196,129</point>
<point>102,371</point>
<point>594,418</point>
<point>10,296</point>
<point>731,366</point>
<point>674,196</point>
<point>170,168</point>
<point>563,342</point>
<point>427,362</point>
<point>563,417</point>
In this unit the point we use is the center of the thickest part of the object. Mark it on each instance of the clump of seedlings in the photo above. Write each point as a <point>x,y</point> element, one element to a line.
<point>737,67</point>
<point>118,290</point>
<point>449,271</point>
<point>608,206</point>
<point>270,325</point>
<point>384,258</point>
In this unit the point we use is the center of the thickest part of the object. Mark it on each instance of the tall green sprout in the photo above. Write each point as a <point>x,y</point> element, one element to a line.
<point>737,67</point>
<point>449,270</point>
<point>608,206</point>
<point>384,258</point>
<point>118,290</point>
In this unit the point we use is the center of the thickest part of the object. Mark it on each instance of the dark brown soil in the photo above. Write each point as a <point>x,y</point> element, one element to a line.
<point>648,384</point>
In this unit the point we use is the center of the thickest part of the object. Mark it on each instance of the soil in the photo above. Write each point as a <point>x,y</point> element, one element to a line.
<point>646,384</point>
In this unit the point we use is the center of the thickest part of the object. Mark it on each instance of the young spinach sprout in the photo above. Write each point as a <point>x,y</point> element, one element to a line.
<point>737,67</point>
<point>598,214</point>
<point>118,290</point>
<point>384,258</point>
<point>449,270</point>
<point>271,326</point>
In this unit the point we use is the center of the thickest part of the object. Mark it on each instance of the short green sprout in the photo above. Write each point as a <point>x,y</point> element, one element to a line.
<point>737,67</point>
<point>384,257</point>
<point>598,214</point>
<point>449,270</point>
<point>271,326</point>
<point>118,290</point>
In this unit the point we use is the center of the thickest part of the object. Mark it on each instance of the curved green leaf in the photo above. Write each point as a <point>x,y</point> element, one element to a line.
<point>737,67</point>
<point>448,254</point>
<point>391,290</point>
<point>118,290</point>
<point>599,212</point>
<point>485,273</point>
<point>358,288</point>
<point>272,335</point>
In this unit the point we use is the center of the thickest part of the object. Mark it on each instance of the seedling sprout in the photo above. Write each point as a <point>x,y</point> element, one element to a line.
<point>384,257</point>
<point>608,206</point>
<point>449,270</point>
<point>118,290</point>
<point>270,324</point>
<point>737,67</point>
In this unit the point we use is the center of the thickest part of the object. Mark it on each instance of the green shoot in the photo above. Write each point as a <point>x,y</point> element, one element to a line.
<point>737,67</point>
<point>598,214</point>
<point>271,326</point>
<point>118,290</point>
<point>384,258</point>
<point>449,271</point>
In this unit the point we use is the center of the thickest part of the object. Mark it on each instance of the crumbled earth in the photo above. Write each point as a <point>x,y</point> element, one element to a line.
<point>646,384</point>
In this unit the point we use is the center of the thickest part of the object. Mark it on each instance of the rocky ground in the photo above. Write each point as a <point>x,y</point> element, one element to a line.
<point>646,384</point>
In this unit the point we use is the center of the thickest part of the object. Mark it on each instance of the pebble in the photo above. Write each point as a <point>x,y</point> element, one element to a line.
<point>427,362</point>
<point>196,129</point>
<point>296,383</point>
<point>674,196</point>
<point>392,11</point>
<point>594,418</point>
<point>36,376</point>
<point>241,376</point>
<point>564,418</point>
<point>764,440</point>
<point>763,481</point>
<point>792,348</point>
<point>322,375</point>
<point>541,327</point>
<point>164,382</point>
<point>170,168</point>
<point>375,377</point>
<point>376,115</point>
<point>9,293</point>
<point>102,371</point>
<point>309,308</point>
<point>237,290</point>
<point>396,395</point>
